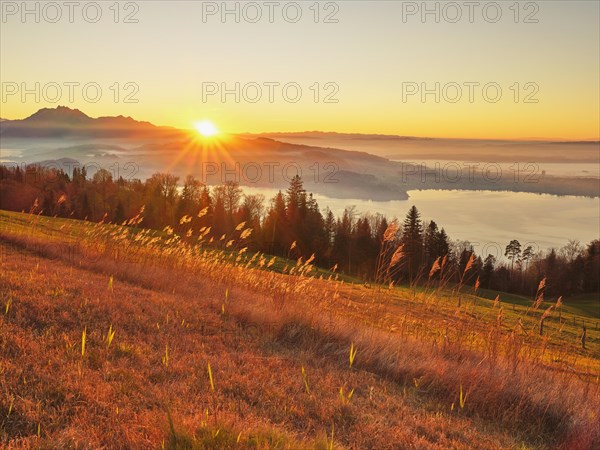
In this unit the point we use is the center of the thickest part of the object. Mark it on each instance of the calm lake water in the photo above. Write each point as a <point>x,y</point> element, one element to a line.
<point>488,219</point>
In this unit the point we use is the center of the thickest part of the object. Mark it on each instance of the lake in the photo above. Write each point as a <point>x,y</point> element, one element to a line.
<point>488,219</point>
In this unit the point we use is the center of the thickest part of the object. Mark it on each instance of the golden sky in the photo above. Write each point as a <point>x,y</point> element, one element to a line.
<point>369,61</point>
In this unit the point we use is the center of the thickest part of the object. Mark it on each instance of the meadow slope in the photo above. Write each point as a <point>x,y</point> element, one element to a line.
<point>209,351</point>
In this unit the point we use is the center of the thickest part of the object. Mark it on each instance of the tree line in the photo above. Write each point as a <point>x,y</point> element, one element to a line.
<point>292,225</point>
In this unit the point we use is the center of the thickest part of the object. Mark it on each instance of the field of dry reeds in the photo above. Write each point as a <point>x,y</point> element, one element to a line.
<point>119,337</point>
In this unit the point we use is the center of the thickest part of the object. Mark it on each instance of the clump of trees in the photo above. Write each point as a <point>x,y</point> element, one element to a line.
<point>293,225</point>
<point>574,268</point>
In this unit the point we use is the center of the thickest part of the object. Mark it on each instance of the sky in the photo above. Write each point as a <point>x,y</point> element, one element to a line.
<point>532,72</point>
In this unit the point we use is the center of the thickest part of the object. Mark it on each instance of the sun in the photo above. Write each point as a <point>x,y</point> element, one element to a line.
<point>206,128</point>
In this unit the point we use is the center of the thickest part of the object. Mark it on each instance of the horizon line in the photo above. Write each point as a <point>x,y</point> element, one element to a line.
<point>595,140</point>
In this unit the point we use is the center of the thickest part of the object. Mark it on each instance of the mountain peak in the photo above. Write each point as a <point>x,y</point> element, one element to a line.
<point>64,121</point>
<point>59,114</point>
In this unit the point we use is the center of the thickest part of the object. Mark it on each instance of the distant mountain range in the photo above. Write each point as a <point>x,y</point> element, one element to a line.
<point>66,122</point>
<point>394,137</point>
<point>334,164</point>
<point>403,148</point>
<point>63,134</point>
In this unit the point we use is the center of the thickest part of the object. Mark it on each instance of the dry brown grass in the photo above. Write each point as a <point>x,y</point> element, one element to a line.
<point>176,310</point>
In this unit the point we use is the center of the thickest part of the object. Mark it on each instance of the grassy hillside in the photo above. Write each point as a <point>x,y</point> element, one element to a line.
<point>120,337</point>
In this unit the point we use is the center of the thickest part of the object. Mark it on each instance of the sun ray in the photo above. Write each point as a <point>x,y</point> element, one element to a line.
<point>198,149</point>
